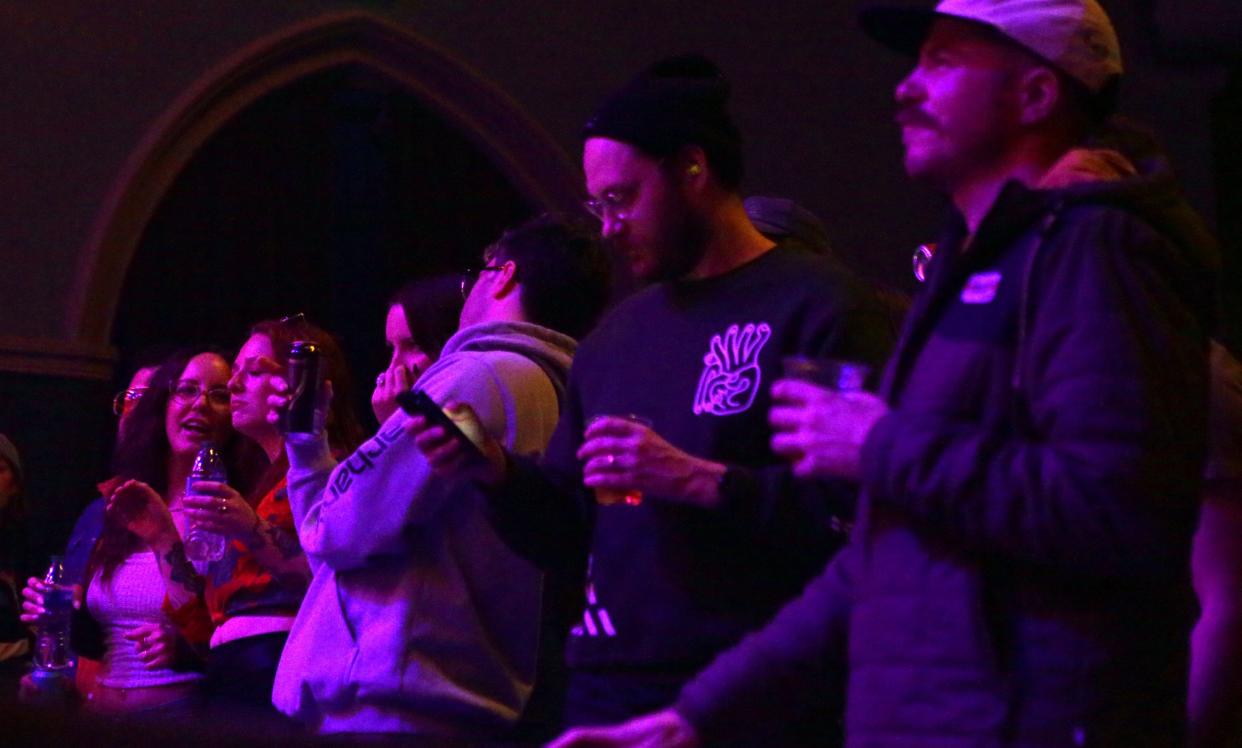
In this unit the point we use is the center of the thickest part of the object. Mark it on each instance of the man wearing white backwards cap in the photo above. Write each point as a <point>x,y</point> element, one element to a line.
<point>1018,574</point>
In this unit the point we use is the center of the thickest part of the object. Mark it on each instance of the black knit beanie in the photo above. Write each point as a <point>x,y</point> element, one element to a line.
<point>676,102</point>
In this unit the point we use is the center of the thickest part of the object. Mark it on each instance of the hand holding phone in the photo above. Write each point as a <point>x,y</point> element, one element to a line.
<point>419,403</point>
<point>464,449</point>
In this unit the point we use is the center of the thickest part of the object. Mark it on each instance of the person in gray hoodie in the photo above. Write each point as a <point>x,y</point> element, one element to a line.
<point>419,620</point>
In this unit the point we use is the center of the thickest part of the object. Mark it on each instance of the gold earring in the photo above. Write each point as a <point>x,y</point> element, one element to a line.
<point>694,170</point>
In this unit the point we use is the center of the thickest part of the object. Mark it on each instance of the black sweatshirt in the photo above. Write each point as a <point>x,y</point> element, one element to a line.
<point>669,585</point>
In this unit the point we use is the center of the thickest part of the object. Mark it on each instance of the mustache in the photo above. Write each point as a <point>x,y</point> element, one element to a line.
<point>915,117</point>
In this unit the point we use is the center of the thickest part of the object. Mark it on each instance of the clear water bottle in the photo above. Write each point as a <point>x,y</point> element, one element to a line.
<point>201,545</point>
<point>52,655</point>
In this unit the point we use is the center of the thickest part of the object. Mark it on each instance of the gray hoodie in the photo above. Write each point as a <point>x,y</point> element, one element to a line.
<point>419,619</point>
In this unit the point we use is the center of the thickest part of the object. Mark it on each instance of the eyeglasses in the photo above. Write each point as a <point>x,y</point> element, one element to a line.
<point>188,391</point>
<point>922,260</point>
<point>471,275</point>
<point>612,205</point>
<point>127,399</point>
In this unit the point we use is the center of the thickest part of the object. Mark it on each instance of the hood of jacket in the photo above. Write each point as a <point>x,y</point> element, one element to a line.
<point>1145,186</point>
<point>551,350</point>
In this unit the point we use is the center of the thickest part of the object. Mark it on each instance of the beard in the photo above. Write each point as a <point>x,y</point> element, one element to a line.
<point>682,245</point>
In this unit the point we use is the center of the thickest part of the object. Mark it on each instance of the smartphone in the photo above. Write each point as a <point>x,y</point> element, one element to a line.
<point>419,403</point>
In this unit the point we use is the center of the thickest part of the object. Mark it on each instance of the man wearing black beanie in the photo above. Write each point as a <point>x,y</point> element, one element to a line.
<point>660,475</point>
<point>663,162</point>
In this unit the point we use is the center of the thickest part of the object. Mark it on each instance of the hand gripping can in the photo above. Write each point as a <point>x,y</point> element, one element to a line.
<point>304,380</point>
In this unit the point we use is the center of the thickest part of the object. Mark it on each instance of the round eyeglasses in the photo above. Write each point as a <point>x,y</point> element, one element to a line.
<point>126,399</point>
<point>188,391</point>
<point>921,261</point>
<point>613,205</point>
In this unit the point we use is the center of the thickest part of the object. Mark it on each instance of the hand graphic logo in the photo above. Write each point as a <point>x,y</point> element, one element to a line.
<point>731,375</point>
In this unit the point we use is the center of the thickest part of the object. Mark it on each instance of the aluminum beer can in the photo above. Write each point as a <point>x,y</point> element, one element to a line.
<point>304,380</point>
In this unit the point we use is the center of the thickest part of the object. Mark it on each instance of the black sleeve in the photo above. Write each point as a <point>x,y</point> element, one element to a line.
<point>795,664</point>
<point>542,512</point>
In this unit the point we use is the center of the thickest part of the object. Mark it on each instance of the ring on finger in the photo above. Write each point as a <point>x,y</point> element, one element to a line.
<point>380,378</point>
<point>222,505</point>
<point>610,459</point>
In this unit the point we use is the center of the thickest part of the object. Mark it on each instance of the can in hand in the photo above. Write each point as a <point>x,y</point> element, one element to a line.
<point>304,379</point>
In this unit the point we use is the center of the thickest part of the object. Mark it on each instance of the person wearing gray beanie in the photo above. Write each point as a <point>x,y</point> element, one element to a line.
<point>14,564</point>
<point>9,454</point>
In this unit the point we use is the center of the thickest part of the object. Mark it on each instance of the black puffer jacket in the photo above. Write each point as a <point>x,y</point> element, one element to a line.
<point>1019,575</point>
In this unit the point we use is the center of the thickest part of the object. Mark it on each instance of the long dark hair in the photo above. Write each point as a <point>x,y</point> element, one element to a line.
<point>142,453</point>
<point>432,308</point>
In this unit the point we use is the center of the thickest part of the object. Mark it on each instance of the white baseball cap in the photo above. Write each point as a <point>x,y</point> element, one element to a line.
<point>1075,36</point>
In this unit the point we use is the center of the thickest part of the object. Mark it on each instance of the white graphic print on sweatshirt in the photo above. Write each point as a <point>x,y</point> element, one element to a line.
<point>731,375</point>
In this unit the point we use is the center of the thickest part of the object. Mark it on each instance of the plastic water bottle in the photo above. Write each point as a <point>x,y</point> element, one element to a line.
<point>52,656</point>
<point>201,545</point>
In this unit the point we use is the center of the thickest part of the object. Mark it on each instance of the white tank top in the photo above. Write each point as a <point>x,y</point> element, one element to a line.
<point>134,596</point>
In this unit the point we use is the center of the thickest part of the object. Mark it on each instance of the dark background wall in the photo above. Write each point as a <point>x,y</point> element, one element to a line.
<point>321,198</point>
<point>85,83</point>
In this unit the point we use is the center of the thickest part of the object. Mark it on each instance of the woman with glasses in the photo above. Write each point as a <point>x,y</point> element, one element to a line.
<point>140,588</point>
<point>422,316</point>
<point>252,594</point>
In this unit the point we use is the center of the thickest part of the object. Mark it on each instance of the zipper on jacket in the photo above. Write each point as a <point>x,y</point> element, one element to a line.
<point>1024,304</point>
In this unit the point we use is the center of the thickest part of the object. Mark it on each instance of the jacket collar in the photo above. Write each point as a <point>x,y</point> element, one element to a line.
<point>1016,210</point>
